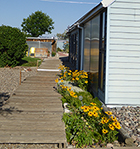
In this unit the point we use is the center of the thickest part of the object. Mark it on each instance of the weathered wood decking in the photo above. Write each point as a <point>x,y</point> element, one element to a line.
<point>33,114</point>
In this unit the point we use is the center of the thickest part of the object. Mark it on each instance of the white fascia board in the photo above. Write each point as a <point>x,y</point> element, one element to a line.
<point>92,13</point>
<point>107,56</point>
<point>106,3</point>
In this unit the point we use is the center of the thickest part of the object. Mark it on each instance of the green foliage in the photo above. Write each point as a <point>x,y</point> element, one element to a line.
<point>66,47</point>
<point>53,53</point>
<point>62,36</point>
<point>58,49</point>
<point>86,125</point>
<point>37,24</point>
<point>29,61</point>
<point>12,46</point>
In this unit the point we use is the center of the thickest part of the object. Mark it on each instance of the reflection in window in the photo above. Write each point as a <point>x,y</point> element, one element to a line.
<point>87,47</point>
<point>94,59</point>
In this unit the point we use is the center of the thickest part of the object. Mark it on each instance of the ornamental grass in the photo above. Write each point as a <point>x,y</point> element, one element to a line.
<point>86,125</point>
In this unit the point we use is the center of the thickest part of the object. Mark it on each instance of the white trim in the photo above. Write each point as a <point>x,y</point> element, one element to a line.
<point>48,70</point>
<point>107,56</point>
<point>106,3</point>
<point>82,49</point>
<point>92,14</point>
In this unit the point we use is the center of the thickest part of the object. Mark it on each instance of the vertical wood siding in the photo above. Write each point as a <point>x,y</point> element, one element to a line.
<point>124,53</point>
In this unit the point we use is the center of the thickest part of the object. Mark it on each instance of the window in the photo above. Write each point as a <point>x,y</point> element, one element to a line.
<point>87,47</point>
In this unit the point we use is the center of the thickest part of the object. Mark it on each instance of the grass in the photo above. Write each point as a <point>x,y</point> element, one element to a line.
<point>29,62</point>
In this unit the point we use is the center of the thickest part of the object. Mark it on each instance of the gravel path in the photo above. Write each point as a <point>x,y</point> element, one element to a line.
<point>9,78</point>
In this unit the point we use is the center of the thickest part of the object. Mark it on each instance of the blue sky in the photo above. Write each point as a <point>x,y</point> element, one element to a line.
<point>62,12</point>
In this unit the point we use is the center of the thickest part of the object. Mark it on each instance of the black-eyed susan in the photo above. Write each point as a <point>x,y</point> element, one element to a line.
<point>82,107</point>
<point>94,104</point>
<point>86,109</point>
<point>114,119</point>
<point>108,113</point>
<point>95,114</point>
<point>90,113</point>
<point>117,125</point>
<point>102,121</point>
<point>104,131</point>
<point>111,127</point>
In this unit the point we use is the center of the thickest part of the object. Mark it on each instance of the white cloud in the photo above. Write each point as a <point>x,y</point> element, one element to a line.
<point>71,2</point>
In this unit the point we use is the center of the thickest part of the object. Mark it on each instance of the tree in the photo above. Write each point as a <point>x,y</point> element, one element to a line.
<point>12,46</point>
<point>37,24</point>
<point>62,36</point>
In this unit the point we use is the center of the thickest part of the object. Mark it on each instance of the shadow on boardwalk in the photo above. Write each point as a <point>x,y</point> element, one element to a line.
<point>65,61</point>
<point>3,101</point>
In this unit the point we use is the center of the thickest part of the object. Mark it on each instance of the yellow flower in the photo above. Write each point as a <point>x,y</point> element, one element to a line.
<point>117,125</point>
<point>75,96</point>
<point>114,119</point>
<point>104,131</point>
<point>102,121</point>
<point>95,114</point>
<point>77,79</point>
<point>86,109</point>
<point>73,79</point>
<point>108,113</point>
<point>69,74</point>
<point>64,75</point>
<point>90,113</point>
<point>94,104</point>
<point>86,82</point>
<point>82,107</point>
<point>62,80</point>
<point>111,127</point>
<point>56,80</point>
<point>95,108</point>
<point>68,89</point>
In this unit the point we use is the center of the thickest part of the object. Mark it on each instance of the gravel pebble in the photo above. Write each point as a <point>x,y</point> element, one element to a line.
<point>129,118</point>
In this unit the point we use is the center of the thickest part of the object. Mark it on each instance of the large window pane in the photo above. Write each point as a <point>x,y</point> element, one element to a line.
<point>87,47</point>
<point>94,59</point>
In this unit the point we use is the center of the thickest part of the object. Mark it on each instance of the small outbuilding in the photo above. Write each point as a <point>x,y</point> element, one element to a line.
<point>106,43</point>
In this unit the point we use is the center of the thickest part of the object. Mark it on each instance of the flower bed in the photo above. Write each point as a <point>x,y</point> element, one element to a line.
<point>86,124</point>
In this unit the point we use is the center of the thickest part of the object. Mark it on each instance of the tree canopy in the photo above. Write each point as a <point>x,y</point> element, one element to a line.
<point>62,36</point>
<point>37,24</point>
<point>12,46</point>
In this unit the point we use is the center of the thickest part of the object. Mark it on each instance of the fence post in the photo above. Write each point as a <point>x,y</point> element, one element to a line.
<point>37,65</point>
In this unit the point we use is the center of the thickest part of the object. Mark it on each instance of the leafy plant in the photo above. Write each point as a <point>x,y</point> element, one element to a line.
<point>53,53</point>
<point>12,46</point>
<point>86,125</point>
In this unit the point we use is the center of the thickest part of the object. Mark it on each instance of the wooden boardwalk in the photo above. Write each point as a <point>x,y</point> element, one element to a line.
<point>33,114</point>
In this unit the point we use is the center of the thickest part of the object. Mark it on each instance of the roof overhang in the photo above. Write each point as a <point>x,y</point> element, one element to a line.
<point>93,12</point>
<point>106,3</point>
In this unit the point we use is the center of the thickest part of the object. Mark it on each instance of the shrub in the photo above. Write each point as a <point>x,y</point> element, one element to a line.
<point>53,53</point>
<point>12,46</point>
